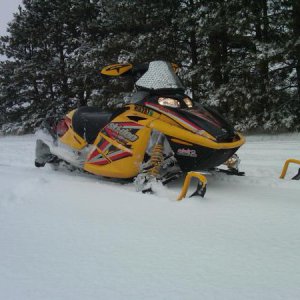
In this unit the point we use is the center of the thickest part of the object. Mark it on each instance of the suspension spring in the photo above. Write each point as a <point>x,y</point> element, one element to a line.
<point>156,159</point>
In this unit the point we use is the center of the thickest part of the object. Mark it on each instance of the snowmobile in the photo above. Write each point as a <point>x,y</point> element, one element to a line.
<point>160,135</point>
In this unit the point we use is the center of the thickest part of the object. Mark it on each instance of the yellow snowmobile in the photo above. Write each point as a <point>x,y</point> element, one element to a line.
<point>160,135</point>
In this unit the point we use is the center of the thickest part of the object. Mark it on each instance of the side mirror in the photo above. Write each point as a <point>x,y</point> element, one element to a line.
<point>116,69</point>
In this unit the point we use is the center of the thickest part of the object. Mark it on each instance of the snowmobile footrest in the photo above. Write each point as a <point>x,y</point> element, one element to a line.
<point>170,177</point>
<point>285,167</point>
<point>201,188</point>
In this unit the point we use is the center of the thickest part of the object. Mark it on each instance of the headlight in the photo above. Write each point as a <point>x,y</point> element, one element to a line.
<point>188,102</point>
<point>168,102</point>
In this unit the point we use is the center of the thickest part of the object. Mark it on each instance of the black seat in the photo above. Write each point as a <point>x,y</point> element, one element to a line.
<point>87,121</point>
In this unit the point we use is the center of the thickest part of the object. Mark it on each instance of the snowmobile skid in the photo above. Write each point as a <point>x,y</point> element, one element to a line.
<point>159,136</point>
<point>285,168</point>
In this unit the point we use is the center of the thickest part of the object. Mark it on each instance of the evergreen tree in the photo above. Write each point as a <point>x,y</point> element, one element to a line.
<point>239,56</point>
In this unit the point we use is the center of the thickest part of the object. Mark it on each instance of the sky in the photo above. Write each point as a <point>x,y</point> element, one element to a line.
<point>7,8</point>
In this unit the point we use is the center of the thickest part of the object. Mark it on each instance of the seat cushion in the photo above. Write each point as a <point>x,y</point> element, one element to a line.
<point>87,121</point>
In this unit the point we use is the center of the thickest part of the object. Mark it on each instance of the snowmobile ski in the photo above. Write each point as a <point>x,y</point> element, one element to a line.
<point>285,168</point>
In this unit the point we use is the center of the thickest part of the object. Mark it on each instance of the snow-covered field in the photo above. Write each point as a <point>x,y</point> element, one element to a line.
<point>71,236</point>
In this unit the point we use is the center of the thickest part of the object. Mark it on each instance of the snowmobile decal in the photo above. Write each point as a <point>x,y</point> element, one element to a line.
<point>103,145</point>
<point>118,155</point>
<point>102,161</point>
<point>110,153</point>
<point>122,131</point>
<point>143,110</point>
<point>187,152</point>
<point>97,158</point>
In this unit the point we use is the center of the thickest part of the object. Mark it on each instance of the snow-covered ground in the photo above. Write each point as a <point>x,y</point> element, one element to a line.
<point>72,236</point>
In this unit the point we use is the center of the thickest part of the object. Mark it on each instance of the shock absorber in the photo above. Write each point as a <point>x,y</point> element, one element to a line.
<point>156,160</point>
<point>157,157</point>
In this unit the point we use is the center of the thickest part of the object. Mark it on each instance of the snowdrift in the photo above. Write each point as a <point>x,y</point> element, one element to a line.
<point>72,236</point>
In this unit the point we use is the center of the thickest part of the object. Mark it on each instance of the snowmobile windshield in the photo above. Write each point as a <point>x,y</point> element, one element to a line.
<point>160,76</point>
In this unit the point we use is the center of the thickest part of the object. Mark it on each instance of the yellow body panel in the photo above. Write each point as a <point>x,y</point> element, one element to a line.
<point>181,142</point>
<point>71,138</point>
<point>126,167</point>
<point>168,117</point>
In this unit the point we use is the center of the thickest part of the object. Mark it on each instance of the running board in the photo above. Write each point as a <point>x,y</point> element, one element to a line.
<point>285,167</point>
<point>201,187</point>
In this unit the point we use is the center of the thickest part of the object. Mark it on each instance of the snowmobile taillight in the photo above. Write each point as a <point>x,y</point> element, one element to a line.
<point>63,126</point>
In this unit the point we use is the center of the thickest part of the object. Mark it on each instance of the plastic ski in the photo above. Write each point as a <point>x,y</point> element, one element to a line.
<point>201,187</point>
<point>285,168</point>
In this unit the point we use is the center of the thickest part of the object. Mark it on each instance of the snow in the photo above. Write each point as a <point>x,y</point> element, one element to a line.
<point>72,236</point>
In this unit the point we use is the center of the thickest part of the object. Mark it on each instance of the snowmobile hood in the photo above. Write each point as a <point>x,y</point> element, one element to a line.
<point>210,121</point>
<point>199,119</point>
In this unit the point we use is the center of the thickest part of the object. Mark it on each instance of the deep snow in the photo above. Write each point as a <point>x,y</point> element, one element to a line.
<point>71,236</point>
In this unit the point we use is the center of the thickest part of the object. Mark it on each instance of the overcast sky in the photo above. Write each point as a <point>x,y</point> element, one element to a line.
<point>7,8</point>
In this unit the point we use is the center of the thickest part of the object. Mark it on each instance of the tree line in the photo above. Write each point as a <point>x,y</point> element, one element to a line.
<point>241,57</point>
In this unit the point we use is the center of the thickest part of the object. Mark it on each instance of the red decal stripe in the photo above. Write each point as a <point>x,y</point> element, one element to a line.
<point>129,124</point>
<point>175,115</point>
<point>119,156</point>
<point>93,154</point>
<point>103,145</point>
<point>102,161</point>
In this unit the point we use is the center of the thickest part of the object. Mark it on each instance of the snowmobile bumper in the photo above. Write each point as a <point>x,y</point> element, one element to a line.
<point>285,168</point>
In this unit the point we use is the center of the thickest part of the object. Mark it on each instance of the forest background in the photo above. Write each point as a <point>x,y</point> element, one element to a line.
<point>239,56</point>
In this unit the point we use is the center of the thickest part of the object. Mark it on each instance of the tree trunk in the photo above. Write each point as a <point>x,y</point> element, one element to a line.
<point>215,59</point>
<point>193,47</point>
<point>296,30</point>
<point>218,41</point>
<point>260,10</point>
